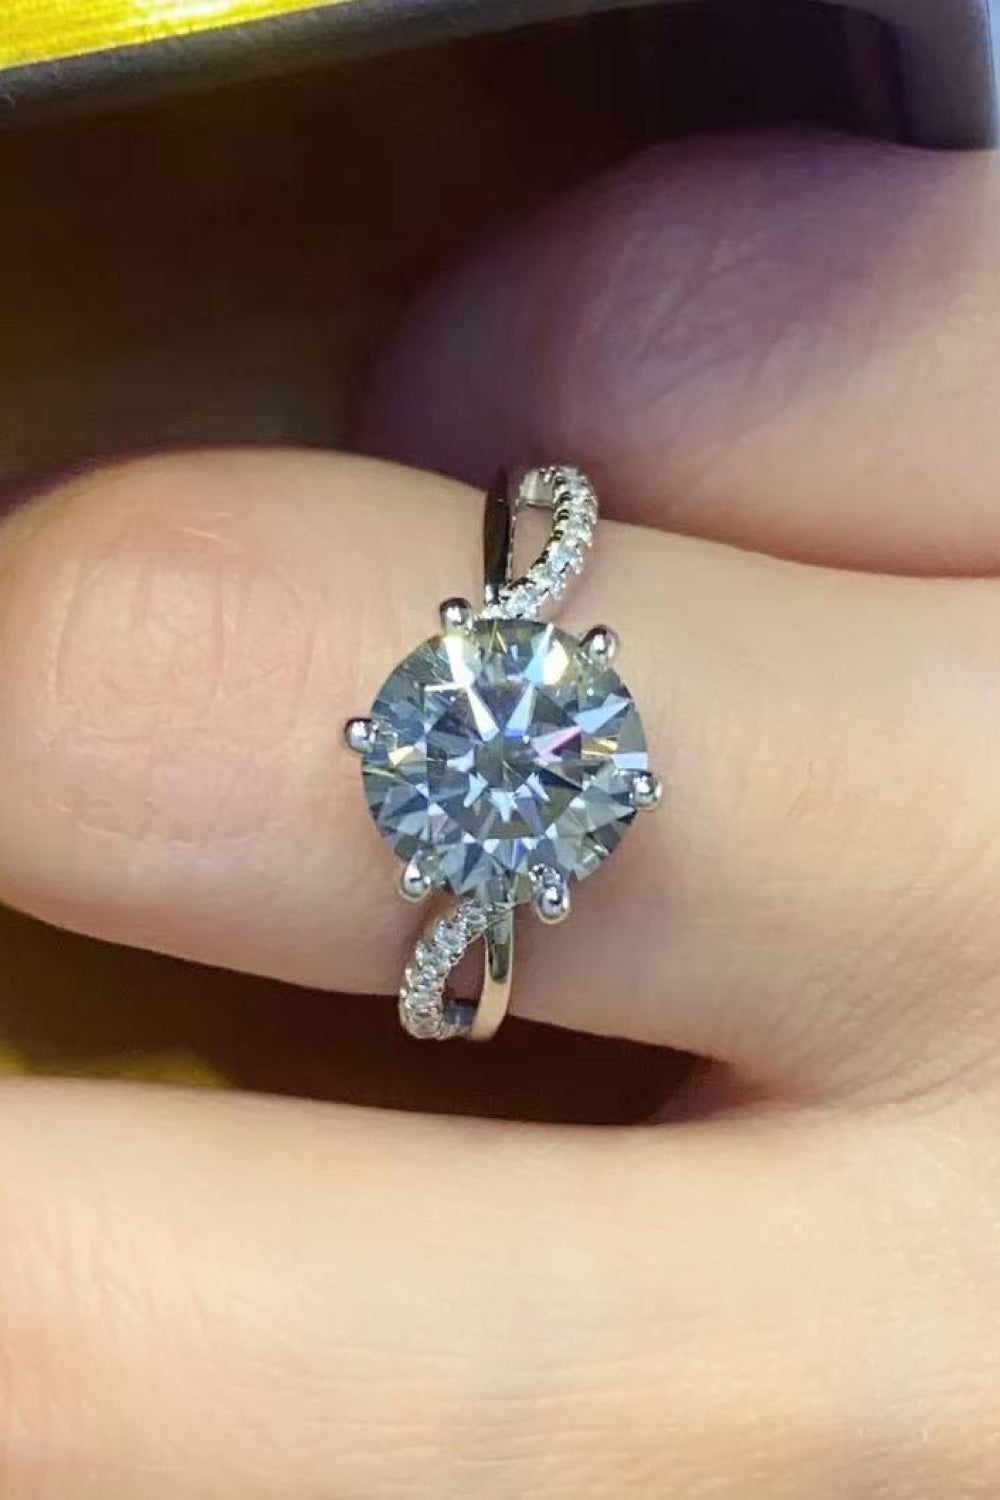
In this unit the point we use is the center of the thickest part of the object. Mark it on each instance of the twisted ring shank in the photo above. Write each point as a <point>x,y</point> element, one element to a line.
<point>425,1008</point>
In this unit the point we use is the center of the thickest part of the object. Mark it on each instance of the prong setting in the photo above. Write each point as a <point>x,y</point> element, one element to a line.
<point>359,736</point>
<point>456,615</point>
<point>550,895</point>
<point>647,791</point>
<point>601,645</point>
<point>416,880</point>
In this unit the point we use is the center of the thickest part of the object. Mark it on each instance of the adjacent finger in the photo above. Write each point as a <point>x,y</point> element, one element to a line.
<point>786,343</point>
<point>181,641</point>
<point>205,1298</point>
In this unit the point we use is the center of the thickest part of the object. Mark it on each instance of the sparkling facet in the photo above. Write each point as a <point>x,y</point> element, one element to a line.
<point>500,749</point>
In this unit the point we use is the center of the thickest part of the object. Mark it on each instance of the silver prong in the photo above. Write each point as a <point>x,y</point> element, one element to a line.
<point>647,791</point>
<point>416,880</point>
<point>550,896</point>
<point>456,614</point>
<point>359,735</point>
<point>601,645</point>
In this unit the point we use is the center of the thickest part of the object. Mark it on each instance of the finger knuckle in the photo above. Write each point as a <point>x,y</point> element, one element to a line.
<point>157,661</point>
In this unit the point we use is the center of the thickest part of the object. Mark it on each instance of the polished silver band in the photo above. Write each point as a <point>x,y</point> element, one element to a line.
<point>426,1009</point>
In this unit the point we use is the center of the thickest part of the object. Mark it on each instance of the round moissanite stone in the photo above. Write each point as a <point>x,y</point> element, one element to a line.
<point>500,749</point>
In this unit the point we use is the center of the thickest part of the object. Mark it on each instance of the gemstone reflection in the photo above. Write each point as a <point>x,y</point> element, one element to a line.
<point>500,749</point>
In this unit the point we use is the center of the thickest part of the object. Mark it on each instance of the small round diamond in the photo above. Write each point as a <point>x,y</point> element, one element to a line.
<point>500,749</point>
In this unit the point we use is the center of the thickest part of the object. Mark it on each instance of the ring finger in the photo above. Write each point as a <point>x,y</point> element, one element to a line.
<point>181,640</point>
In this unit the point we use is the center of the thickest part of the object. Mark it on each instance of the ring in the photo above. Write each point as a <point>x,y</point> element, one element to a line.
<point>504,759</point>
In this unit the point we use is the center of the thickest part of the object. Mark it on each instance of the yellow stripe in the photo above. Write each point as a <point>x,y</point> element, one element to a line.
<point>36,31</point>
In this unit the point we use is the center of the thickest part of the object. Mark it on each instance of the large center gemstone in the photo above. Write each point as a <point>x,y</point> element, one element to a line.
<point>500,749</point>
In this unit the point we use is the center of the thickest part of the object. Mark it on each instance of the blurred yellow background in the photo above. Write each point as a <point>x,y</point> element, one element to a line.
<point>36,31</point>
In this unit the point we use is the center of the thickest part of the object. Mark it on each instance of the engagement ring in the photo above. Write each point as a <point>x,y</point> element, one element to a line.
<point>503,760</point>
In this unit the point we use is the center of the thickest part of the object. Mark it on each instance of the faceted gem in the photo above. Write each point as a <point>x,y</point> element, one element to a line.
<point>499,749</point>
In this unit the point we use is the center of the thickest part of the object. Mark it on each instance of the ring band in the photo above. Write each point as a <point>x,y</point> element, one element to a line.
<point>504,759</point>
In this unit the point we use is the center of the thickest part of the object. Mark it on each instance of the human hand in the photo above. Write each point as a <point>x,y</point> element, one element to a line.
<point>786,1293</point>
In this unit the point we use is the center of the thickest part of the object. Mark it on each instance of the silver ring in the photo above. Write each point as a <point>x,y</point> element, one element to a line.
<point>503,759</point>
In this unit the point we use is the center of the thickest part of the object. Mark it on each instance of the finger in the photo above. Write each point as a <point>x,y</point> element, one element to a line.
<point>182,640</point>
<point>76,1008</point>
<point>784,343</point>
<point>205,1298</point>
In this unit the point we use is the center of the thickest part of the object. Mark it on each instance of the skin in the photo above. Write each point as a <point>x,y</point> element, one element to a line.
<point>790,1290</point>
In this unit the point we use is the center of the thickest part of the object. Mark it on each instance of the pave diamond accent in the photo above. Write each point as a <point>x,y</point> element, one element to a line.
<point>574,506</point>
<point>423,1009</point>
<point>501,748</point>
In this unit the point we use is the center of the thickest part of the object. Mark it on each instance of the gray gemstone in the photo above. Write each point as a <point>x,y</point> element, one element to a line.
<point>500,749</point>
